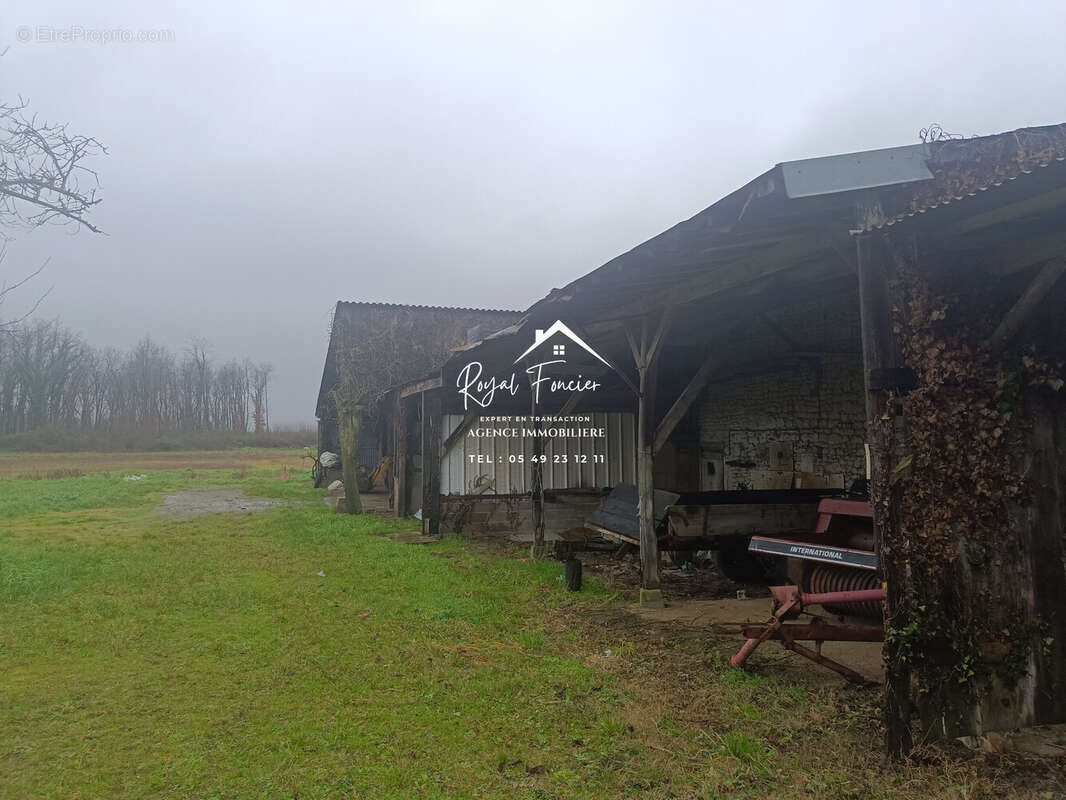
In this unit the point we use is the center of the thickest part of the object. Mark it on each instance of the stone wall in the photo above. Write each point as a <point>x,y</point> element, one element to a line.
<point>799,417</point>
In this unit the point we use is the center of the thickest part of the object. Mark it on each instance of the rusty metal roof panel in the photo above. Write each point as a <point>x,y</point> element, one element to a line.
<point>811,177</point>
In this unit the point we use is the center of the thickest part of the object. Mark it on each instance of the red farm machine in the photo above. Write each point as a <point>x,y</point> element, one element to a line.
<point>833,568</point>
<point>821,539</point>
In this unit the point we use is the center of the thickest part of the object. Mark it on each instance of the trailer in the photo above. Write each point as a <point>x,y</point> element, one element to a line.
<point>722,521</point>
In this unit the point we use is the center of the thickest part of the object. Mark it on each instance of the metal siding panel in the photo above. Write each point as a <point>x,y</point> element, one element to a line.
<point>844,173</point>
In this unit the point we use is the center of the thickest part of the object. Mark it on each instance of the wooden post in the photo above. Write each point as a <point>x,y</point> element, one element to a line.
<point>431,411</point>
<point>650,592</point>
<point>536,483</point>
<point>399,456</point>
<point>880,352</point>
<point>645,355</point>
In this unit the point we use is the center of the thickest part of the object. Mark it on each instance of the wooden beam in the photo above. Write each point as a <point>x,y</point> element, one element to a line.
<point>712,278</point>
<point>431,463</point>
<point>634,348</point>
<point>652,350</point>
<point>459,432</point>
<point>1014,257</point>
<point>779,331</point>
<point>1007,213</point>
<point>1029,301</point>
<point>570,404</point>
<point>684,402</point>
<point>421,386</point>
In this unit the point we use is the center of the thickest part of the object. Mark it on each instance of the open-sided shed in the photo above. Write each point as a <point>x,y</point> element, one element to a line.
<point>896,310</point>
<point>905,298</point>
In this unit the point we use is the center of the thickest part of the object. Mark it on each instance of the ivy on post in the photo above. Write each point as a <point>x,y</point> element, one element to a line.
<point>349,425</point>
<point>879,353</point>
<point>969,480</point>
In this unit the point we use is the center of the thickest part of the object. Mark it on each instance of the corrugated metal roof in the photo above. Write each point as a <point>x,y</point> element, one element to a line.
<point>966,168</point>
<point>419,306</point>
<point>877,220</point>
<point>811,177</point>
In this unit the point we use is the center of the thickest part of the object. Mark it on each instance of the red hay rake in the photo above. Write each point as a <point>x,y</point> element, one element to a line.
<point>789,602</point>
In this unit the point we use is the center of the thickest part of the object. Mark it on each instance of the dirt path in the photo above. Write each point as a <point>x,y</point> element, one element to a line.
<point>710,615</point>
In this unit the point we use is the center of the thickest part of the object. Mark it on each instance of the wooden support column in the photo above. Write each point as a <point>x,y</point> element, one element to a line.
<point>645,355</point>
<point>880,352</point>
<point>399,456</point>
<point>431,412</point>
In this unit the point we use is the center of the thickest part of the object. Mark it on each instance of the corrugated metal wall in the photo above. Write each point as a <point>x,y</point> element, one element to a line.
<point>458,475</point>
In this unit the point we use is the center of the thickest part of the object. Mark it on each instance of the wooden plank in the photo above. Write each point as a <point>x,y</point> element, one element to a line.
<point>684,402</point>
<point>747,519</point>
<point>418,387</point>
<point>431,413</point>
<point>1030,300</point>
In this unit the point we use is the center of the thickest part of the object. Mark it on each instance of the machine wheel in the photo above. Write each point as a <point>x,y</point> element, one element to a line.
<point>741,566</point>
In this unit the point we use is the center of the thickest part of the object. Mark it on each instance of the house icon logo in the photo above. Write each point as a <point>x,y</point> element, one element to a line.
<point>559,348</point>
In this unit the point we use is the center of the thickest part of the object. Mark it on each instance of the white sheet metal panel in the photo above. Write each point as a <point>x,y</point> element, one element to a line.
<point>460,474</point>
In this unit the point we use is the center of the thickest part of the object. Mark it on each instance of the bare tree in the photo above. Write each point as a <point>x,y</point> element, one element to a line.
<point>49,376</point>
<point>259,379</point>
<point>43,177</point>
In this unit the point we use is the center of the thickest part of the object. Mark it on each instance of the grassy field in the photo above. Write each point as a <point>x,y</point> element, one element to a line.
<point>302,654</point>
<point>67,465</point>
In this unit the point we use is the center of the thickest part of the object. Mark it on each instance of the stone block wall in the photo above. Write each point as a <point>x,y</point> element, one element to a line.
<point>801,413</point>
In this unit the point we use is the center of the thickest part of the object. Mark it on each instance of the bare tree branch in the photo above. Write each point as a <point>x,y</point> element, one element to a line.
<point>43,177</point>
<point>6,289</point>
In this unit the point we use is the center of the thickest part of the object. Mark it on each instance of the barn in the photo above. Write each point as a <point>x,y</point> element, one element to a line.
<point>892,316</point>
<point>352,324</point>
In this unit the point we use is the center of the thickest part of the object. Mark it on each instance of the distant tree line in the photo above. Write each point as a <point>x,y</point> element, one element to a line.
<point>51,377</point>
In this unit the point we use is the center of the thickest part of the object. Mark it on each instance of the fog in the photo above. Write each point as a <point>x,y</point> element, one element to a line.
<point>267,159</point>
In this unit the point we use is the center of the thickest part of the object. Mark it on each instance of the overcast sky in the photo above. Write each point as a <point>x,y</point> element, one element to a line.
<point>272,158</point>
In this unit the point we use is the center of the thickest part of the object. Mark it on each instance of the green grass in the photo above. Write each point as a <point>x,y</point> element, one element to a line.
<point>143,656</point>
<point>208,658</point>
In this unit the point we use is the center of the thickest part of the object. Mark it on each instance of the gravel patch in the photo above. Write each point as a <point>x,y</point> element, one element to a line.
<point>196,502</point>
